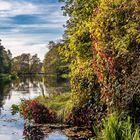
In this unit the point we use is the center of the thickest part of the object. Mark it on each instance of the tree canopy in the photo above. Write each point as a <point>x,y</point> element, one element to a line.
<point>5,60</point>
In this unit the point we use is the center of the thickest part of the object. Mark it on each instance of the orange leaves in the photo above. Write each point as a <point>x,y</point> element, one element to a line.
<point>103,64</point>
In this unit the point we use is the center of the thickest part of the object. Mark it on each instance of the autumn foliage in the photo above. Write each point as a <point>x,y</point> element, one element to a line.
<point>86,116</point>
<point>32,109</point>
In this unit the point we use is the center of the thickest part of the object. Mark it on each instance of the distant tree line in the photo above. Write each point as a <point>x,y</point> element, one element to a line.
<point>26,64</point>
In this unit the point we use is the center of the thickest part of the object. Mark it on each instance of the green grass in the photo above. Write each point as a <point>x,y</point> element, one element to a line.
<point>59,103</point>
<point>116,129</point>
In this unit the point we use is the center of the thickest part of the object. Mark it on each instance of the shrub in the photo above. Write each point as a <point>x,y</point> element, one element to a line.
<point>116,43</point>
<point>130,94</point>
<point>32,109</point>
<point>85,86</point>
<point>85,96</point>
<point>87,116</point>
<point>15,109</point>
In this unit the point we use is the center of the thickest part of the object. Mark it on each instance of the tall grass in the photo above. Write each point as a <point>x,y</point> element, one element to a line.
<point>115,129</point>
<point>59,103</point>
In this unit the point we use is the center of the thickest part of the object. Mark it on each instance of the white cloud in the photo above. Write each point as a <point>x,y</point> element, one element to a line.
<point>5,5</point>
<point>23,43</point>
<point>13,8</point>
<point>19,38</point>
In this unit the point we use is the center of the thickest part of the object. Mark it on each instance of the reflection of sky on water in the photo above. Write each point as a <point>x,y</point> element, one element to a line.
<point>57,135</point>
<point>11,127</point>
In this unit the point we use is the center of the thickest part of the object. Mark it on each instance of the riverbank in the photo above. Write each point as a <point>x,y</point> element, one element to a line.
<point>7,77</point>
<point>73,132</point>
<point>112,122</point>
<point>54,110</point>
<point>61,104</point>
<point>57,106</point>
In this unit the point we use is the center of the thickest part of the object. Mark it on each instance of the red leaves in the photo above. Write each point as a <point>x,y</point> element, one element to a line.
<point>32,109</point>
<point>103,64</point>
<point>86,116</point>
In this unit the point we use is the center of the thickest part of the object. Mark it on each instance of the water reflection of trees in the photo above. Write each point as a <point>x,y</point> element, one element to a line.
<point>4,93</point>
<point>42,133</point>
<point>24,83</point>
<point>32,133</point>
<point>55,85</point>
<point>47,85</point>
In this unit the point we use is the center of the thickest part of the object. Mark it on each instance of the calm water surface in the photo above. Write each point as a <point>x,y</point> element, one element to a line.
<point>12,126</point>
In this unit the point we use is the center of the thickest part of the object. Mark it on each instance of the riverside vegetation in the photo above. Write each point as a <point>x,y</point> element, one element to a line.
<point>100,55</point>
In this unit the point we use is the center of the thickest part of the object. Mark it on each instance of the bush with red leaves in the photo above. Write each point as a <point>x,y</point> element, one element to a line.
<point>87,116</point>
<point>32,109</point>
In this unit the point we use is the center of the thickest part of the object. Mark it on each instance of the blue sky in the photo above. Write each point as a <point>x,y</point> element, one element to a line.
<point>26,26</point>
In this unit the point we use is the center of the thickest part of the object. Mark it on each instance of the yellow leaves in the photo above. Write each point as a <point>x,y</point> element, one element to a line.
<point>98,33</point>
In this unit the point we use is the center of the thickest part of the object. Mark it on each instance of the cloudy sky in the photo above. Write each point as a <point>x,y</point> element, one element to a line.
<point>26,26</point>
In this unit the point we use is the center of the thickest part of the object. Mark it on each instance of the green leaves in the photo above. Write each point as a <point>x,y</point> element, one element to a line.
<point>116,129</point>
<point>15,109</point>
<point>101,43</point>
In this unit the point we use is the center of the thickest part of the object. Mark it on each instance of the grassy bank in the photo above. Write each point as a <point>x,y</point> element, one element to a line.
<point>61,104</point>
<point>44,107</point>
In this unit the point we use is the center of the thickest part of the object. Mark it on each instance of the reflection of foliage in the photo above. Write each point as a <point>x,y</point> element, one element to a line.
<point>4,92</point>
<point>55,86</point>
<point>6,78</point>
<point>52,81</point>
<point>14,109</point>
<point>23,83</point>
<point>32,133</point>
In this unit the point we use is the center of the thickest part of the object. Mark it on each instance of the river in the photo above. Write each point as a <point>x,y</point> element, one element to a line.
<point>12,126</point>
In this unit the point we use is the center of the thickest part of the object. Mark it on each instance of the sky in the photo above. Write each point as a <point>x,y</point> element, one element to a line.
<point>26,26</point>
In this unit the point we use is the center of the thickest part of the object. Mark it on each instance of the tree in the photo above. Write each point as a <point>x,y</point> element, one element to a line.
<point>54,63</point>
<point>35,64</point>
<point>5,60</point>
<point>26,64</point>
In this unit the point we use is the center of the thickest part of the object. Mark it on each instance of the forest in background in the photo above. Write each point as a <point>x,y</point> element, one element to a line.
<point>100,54</point>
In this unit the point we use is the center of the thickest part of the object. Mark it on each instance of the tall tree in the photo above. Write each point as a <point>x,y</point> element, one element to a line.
<point>5,60</point>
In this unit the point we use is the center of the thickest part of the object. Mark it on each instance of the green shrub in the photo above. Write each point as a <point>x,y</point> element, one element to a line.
<point>15,109</point>
<point>84,84</point>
